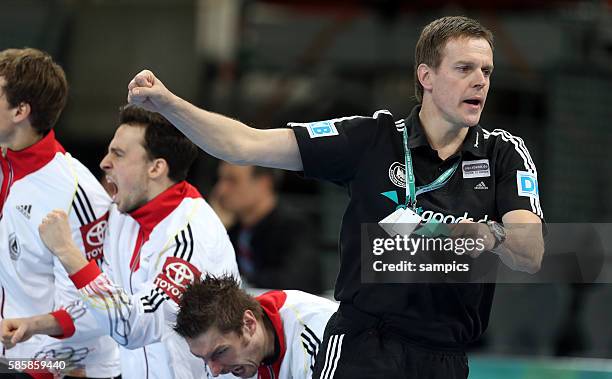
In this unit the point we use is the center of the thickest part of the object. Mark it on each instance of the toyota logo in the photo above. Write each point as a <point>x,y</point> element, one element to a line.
<point>95,235</point>
<point>179,273</point>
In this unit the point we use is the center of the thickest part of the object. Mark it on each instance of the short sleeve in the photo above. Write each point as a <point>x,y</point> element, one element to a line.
<point>331,150</point>
<point>516,178</point>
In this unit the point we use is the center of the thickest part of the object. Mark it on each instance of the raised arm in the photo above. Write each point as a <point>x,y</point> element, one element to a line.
<point>218,135</point>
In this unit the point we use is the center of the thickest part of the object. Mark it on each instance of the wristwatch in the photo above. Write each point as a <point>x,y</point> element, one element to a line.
<point>498,231</point>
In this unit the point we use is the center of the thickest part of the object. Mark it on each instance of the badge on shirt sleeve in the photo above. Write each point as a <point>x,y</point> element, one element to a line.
<point>93,237</point>
<point>527,184</point>
<point>321,129</point>
<point>175,276</point>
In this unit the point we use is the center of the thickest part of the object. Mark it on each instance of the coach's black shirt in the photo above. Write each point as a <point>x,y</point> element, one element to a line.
<point>365,155</point>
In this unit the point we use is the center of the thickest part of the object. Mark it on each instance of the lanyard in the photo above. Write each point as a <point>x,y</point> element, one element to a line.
<point>411,190</point>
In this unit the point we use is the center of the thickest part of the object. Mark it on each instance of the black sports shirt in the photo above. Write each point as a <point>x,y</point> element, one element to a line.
<point>496,175</point>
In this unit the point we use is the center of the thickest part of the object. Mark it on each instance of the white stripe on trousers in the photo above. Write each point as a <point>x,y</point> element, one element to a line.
<point>332,355</point>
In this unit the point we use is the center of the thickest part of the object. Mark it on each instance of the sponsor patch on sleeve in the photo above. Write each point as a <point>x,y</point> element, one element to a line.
<point>93,237</point>
<point>321,129</point>
<point>175,276</point>
<point>527,184</point>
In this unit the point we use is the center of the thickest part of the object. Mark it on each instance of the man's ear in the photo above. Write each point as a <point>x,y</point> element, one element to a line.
<point>21,112</point>
<point>158,168</point>
<point>249,322</point>
<point>424,73</point>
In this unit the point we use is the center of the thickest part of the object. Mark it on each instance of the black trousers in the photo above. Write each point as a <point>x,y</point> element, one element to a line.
<point>359,346</point>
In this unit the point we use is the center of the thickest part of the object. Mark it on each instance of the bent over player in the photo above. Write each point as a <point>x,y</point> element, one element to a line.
<point>275,335</point>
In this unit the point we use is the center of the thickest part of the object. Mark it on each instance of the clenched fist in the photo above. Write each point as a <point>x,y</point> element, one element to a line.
<point>148,92</point>
<point>56,234</point>
<point>15,330</point>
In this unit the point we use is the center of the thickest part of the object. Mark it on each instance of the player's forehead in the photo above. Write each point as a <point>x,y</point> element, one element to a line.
<point>208,342</point>
<point>475,50</point>
<point>2,84</point>
<point>127,136</point>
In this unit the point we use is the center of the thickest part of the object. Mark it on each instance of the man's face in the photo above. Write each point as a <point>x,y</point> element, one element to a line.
<point>7,127</point>
<point>227,352</point>
<point>238,190</point>
<point>126,166</point>
<point>460,84</point>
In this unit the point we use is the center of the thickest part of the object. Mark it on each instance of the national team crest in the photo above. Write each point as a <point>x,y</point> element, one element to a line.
<point>397,174</point>
<point>14,247</point>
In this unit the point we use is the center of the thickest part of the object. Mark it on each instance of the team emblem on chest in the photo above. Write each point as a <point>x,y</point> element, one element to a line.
<point>14,247</point>
<point>397,174</point>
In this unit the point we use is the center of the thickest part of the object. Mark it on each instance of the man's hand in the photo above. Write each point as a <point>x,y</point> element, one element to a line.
<point>475,231</point>
<point>148,92</point>
<point>56,234</point>
<point>523,248</point>
<point>16,330</point>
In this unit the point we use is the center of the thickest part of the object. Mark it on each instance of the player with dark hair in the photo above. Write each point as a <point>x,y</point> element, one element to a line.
<point>278,332</point>
<point>161,236</point>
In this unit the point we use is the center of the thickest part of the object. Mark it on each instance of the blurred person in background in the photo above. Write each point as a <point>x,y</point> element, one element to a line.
<point>38,175</point>
<point>275,248</point>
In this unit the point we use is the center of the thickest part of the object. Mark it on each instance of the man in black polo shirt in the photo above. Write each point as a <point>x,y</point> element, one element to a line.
<point>463,172</point>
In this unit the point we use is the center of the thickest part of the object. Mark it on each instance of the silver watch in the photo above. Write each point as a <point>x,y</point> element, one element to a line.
<point>499,233</point>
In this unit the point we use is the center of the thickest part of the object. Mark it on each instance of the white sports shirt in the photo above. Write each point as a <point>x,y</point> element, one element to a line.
<point>150,256</point>
<point>35,181</point>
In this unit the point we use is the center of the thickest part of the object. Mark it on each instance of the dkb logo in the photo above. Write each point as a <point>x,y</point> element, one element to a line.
<point>527,184</point>
<point>321,129</point>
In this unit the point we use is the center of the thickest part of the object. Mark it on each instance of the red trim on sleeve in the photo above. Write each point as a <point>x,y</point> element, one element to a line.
<point>65,322</point>
<point>85,275</point>
<point>39,375</point>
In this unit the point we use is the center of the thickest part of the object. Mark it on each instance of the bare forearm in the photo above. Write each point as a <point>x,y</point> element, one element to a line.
<point>231,140</point>
<point>523,248</point>
<point>45,324</point>
<point>218,135</point>
<point>72,259</point>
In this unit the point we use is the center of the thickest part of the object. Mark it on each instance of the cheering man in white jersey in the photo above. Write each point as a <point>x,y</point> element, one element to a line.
<point>161,237</point>
<point>37,176</point>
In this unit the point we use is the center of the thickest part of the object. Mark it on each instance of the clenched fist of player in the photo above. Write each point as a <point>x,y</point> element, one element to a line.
<point>56,234</point>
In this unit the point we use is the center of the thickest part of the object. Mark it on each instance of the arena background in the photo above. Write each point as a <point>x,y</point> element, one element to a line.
<point>268,62</point>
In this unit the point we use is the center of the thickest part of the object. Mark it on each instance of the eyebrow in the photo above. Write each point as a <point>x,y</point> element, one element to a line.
<point>115,150</point>
<point>212,354</point>
<point>217,350</point>
<point>472,64</point>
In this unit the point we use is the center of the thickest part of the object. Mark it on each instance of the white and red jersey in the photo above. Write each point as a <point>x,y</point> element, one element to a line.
<point>150,256</point>
<point>35,181</point>
<point>299,320</point>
